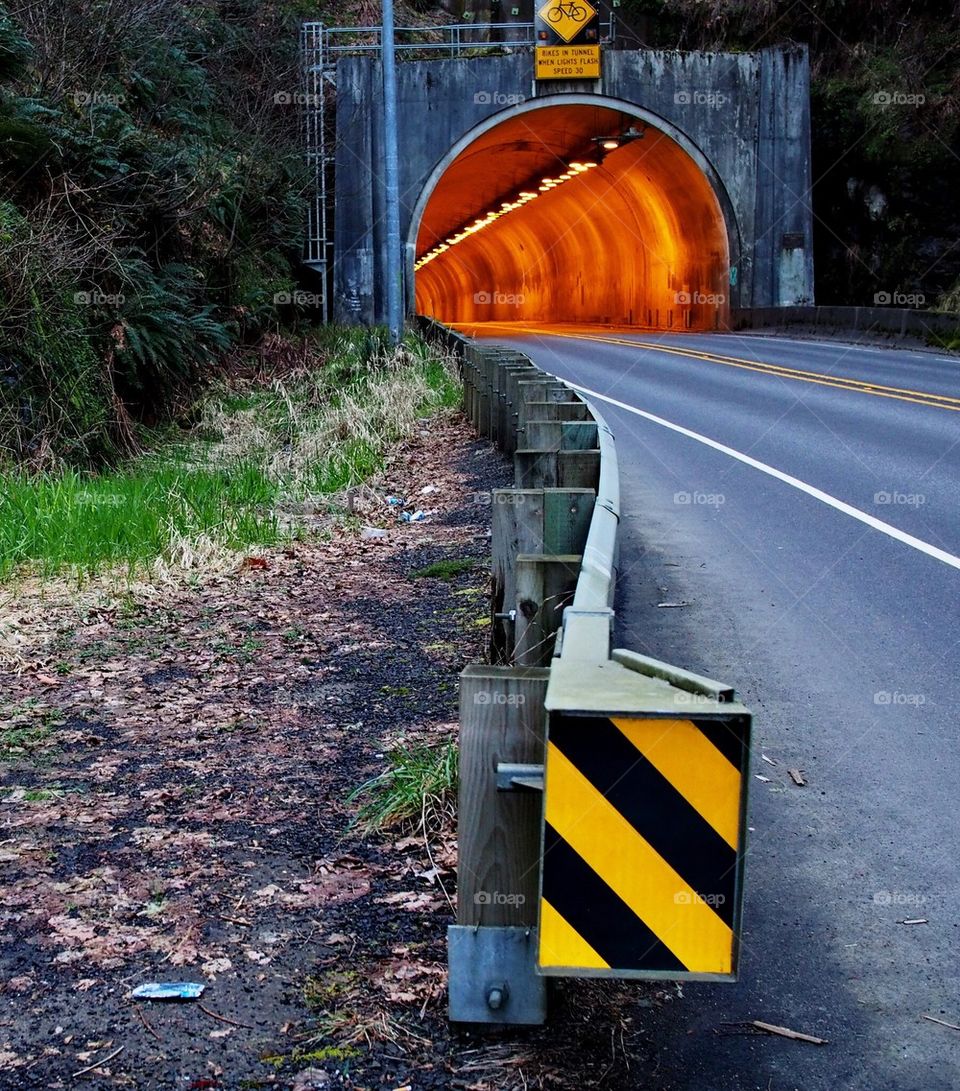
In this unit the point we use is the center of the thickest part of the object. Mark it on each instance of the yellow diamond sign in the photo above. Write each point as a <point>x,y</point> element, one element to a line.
<point>567,18</point>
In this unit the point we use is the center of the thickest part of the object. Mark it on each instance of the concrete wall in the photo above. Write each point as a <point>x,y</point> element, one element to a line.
<point>744,117</point>
<point>898,321</point>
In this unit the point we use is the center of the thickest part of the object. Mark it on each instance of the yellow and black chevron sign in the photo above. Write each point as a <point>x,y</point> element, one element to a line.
<point>643,845</point>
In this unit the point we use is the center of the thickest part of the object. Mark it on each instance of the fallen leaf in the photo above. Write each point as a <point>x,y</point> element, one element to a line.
<point>425,901</point>
<point>216,966</point>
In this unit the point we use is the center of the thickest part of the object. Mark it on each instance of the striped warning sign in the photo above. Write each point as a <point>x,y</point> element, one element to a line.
<point>642,846</point>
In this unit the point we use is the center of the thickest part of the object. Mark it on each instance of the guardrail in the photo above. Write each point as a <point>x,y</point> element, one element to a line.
<point>602,807</point>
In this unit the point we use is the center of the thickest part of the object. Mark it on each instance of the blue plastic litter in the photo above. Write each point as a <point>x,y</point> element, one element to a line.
<point>169,990</point>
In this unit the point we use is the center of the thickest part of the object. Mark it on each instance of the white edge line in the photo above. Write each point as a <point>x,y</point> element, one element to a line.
<point>824,497</point>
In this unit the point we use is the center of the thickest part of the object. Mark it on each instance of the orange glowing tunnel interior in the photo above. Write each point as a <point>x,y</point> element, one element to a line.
<point>536,221</point>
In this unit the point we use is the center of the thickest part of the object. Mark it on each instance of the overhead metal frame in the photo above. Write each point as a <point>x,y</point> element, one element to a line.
<point>320,49</point>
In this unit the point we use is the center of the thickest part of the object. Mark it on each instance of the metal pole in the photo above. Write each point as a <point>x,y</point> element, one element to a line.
<point>391,178</point>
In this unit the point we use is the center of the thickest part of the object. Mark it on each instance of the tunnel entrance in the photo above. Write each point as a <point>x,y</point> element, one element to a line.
<point>573,213</point>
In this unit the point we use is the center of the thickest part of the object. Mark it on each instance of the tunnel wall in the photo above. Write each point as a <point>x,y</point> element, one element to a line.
<point>746,114</point>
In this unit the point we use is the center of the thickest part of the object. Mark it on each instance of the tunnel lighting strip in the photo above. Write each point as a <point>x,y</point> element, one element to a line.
<point>523,197</point>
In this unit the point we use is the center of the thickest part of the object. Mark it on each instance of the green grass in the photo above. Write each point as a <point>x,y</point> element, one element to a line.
<point>87,521</point>
<point>445,570</point>
<point>445,391</point>
<point>948,342</point>
<point>419,788</point>
<point>27,729</point>
<point>309,434</point>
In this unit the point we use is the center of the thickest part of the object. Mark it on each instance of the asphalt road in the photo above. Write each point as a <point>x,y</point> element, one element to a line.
<point>828,595</point>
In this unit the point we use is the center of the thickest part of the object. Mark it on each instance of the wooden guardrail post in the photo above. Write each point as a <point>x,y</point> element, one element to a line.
<point>545,411</point>
<point>546,585</point>
<point>516,527</point>
<point>529,521</point>
<point>492,946</point>
<point>556,469</point>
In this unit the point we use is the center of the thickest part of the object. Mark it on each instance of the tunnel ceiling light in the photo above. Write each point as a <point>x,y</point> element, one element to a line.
<point>611,143</point>
<point>523,197</point>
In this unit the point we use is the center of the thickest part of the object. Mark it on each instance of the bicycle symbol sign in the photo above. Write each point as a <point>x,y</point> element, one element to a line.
<point>567,18</point>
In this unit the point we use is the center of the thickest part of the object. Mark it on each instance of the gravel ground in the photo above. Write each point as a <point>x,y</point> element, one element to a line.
<point>174,782</point>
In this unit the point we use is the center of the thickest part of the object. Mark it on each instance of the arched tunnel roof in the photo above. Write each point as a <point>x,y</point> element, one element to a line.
<point>639,238</point>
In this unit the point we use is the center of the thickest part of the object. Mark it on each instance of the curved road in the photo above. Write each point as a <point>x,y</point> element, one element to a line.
<point>802,499</point>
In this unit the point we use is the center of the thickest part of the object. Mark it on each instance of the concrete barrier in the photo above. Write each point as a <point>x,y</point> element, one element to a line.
<point>897,321</point>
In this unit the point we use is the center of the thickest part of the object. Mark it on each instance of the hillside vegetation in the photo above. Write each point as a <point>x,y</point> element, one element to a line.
<point>885,95</point>
<point>152,184</point>
<point>150,209</point>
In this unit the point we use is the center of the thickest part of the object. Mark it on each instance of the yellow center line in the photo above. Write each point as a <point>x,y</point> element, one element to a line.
<point>838,382</point>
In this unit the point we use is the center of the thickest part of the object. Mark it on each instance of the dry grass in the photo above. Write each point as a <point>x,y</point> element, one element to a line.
<point>325,427</point>
<point>315,432</point>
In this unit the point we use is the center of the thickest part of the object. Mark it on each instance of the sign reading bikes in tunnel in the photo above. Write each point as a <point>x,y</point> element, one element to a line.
<point>644,823</point>
<point>567,40</point>
<point>568,62</point>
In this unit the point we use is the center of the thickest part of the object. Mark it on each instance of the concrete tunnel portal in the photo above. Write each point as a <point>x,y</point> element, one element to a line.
<point>573,213</point>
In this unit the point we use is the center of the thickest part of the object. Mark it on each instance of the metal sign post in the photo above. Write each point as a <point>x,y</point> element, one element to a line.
<point>391,179</point>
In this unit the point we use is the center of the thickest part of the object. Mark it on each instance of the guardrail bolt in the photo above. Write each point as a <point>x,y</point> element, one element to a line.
<point>497,997</point>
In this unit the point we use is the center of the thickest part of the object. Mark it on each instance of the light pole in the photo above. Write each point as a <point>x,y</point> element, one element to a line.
<point>391,176</point>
